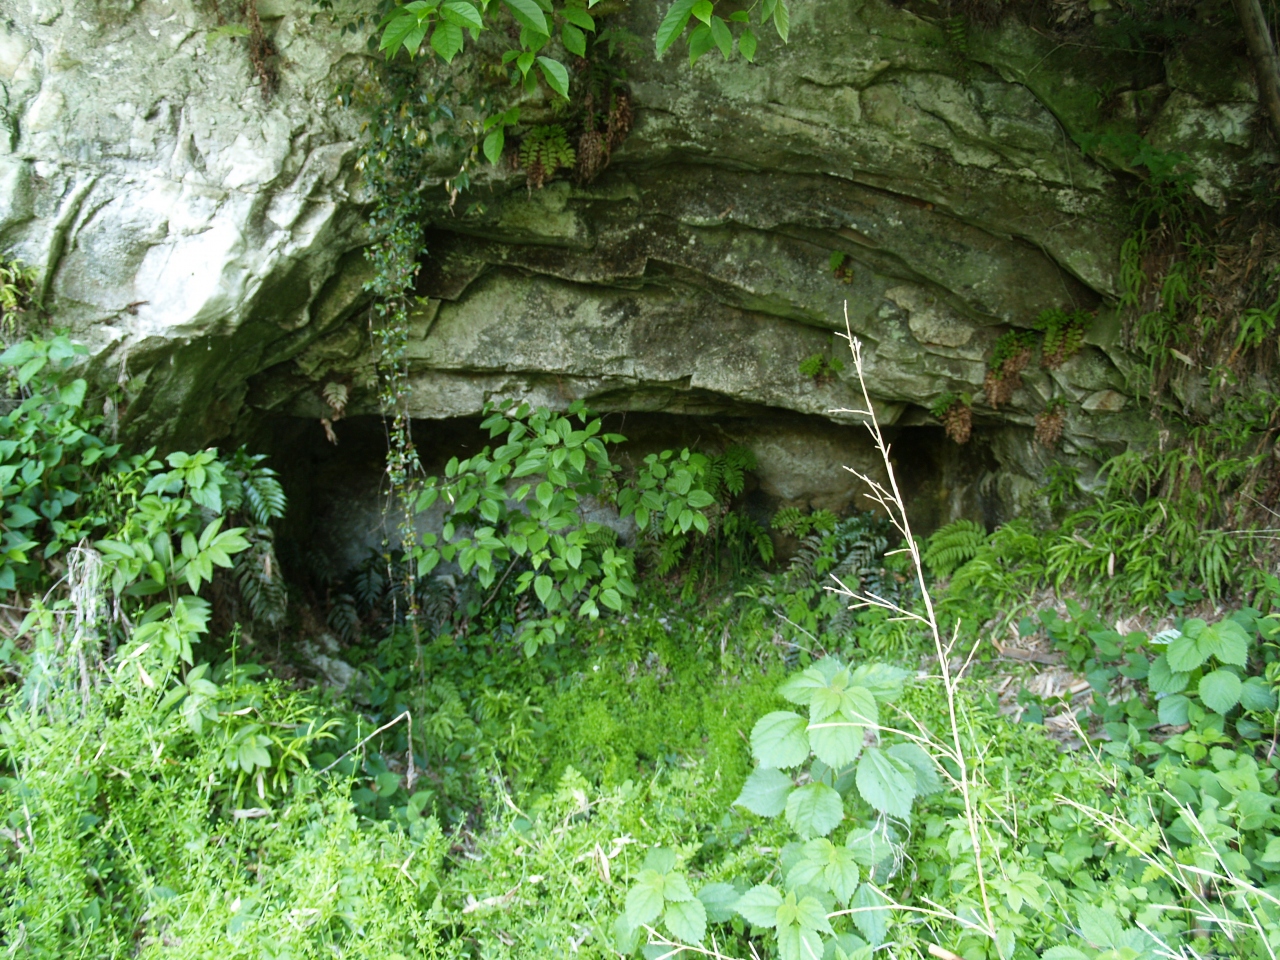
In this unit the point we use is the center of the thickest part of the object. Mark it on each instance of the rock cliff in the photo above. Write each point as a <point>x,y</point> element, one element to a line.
<point>206,242</point>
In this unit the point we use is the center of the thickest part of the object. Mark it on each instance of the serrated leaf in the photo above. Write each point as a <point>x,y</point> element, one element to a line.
<point>779,739</point>
<point>1161,678</point>
<point>1099,927</point>
<point>884,681</point>
<point>1063,953</point>
<point>759,905</point>
<point>765,792</point>
<point>675,888</point>
<point>1184,654</point>
<point>836,741</point>
<point>718,899</point>
<point>926,771</point>
<point>798,943</point>
<point>886,782</point>
<point>687,920</point>
<point>814,810</point>
<point>660,860</point>
<point>1227,641</point>
<point>1172,710</point>
<point>869,847</point>
<point>1220,690</point>
<point>722,37</point>
<point>870,915</point>
<point>644,899</point>
<point>1256,694</point>
<point>799,687</point>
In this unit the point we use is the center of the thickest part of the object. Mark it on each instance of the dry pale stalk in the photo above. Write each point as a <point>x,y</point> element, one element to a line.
<point>891,501</point>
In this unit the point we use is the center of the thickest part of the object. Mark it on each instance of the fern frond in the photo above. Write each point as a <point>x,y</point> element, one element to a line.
<point>952,546</point>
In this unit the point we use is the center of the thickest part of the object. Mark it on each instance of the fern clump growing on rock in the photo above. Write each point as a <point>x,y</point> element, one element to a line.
<point>1010,357</point>
<point>955,411</point>
<point>544,151</point>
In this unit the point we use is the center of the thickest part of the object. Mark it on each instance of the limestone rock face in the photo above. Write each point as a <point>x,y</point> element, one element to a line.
<point>206,242</point>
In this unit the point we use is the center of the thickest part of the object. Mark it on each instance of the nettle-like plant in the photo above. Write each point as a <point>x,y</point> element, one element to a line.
<point>831,769</point>
<point>514,509</point>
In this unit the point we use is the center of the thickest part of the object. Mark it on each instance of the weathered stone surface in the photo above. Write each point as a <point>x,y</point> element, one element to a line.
<point>206,243</point>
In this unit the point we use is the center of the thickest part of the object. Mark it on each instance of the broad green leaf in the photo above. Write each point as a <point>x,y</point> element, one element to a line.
<point>1162,679</point>
<point>799,687</point>
<point>837,740</point>
<point>870,915</point>
<point>673,25</point>
<point>814,810</point>
<point>722,37</point>
<point>926,771</point>
<point>644,899</point>
<point>1064,953</point>
<point>798,943</point>
<point>1172,710</point>
<point>446,40</point>
<point>869,847</point>
<point>747,45</point>
<point>462,13</point>
<point>575,41</point>
<point>811,916</point>
<point>718,899</point>
<point>1220,690</point>
<point>759,905</point>
<point>398,27</point>
<point>779,740</point>
<point>580,18</point>
<point>702,10</point>
<point>660,860</point>
<point>886,782</point>
<point>1255,694</point>
<point>765,792</point>
<point>1099,927</point>
<point>1184,654</point>
<point>494,144</point>
<point>687,920</point>
<point>700,41</point>
<point>556,75</point>
<point>675,888</point>
<point>782,20</point>
<point>542,586</point>
<point>528,14</point>
<point>1227,641</point>
<point>698,499</point>
<point>884,681</point>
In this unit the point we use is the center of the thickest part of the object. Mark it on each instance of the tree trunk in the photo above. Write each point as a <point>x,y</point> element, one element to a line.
<point>1265,62</point>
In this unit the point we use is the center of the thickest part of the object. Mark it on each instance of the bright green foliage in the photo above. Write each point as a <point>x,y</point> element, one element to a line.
<point>713,31</point>
<point>952,546</point>
<point>533,530</point>
<point>17,293</point>
<point>843,707</point>
<point>682,503</point>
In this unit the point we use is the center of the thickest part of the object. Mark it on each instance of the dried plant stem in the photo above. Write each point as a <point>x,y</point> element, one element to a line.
<point>891,500</point>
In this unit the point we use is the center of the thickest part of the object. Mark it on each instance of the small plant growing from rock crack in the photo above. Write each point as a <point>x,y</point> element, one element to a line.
<point>820,368</point>
<point>839,268</point>
<point>1050,422</point>
<point>955,411</point>
<point>1010,357</point>
<point>1063,335</point>
<point>545,150</point>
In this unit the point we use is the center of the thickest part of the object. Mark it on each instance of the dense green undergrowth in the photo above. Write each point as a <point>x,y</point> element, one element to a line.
<point>721,755</point>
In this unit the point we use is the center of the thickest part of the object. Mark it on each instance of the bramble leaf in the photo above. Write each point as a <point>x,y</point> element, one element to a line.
<point>779,740</point>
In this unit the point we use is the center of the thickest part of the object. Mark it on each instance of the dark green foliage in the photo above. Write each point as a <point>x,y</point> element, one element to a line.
<point>544,151</point>
<point>820,368</point>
